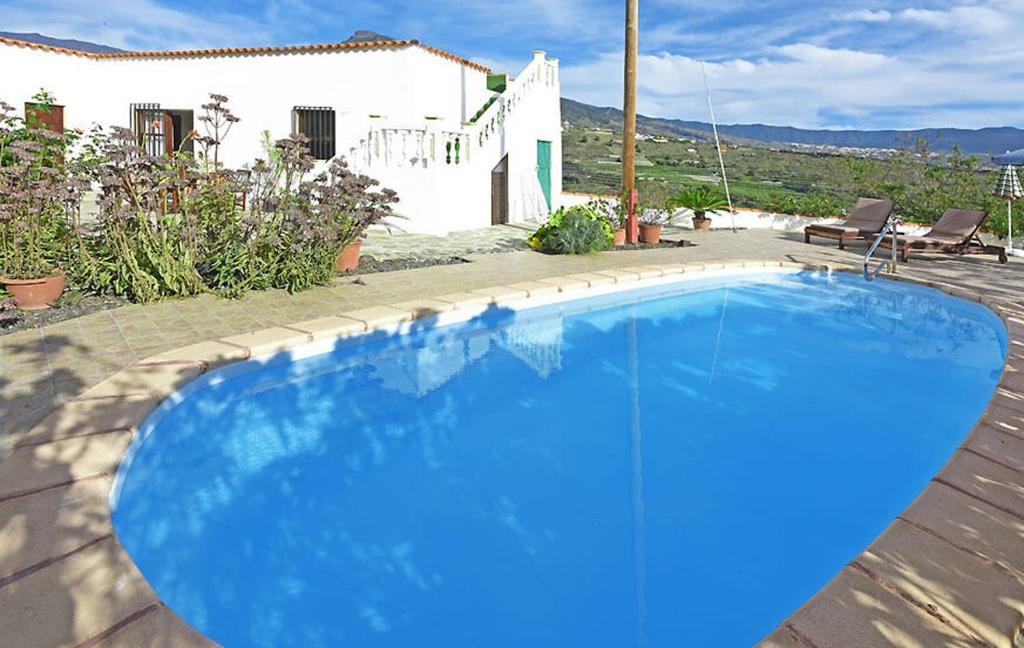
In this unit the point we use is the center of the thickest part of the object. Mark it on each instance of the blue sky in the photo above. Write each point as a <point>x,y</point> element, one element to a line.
<point>856,64</point>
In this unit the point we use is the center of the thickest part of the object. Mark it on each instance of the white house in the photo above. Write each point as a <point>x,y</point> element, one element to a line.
<point>463,147</point>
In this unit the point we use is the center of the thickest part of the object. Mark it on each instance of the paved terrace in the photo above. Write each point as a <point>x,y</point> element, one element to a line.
<point>950,571</point>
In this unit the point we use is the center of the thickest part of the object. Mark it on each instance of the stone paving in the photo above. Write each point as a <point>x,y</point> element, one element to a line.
<point>41,368</point>
<point>401,245</point>
<point>949,571</point>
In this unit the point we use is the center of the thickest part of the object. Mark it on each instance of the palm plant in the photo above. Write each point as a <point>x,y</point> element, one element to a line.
<point>700,199</point>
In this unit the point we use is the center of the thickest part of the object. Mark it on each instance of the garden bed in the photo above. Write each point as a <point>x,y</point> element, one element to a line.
<point>71,305</point>
<point>647,246</point>
<point>368,264</point>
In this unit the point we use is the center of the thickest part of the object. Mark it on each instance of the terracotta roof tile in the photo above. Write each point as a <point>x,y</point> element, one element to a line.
<point>233,51</point>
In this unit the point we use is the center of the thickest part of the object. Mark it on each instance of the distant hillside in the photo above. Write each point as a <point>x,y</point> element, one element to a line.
<point>66,43</point>
<point>360,36</point>
<point>980,141</point>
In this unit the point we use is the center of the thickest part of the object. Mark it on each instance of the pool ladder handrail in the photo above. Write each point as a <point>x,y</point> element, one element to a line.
<point>890,226</point>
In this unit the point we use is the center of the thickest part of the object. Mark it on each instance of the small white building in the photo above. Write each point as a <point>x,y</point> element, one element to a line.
<point>464,148</point>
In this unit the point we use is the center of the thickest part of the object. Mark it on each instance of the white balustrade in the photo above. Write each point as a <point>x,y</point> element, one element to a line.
<point>433,146</point>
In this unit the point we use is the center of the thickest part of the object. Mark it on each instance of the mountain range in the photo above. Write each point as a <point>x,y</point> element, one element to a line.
<point>66,43</point>
<point>977,141</point>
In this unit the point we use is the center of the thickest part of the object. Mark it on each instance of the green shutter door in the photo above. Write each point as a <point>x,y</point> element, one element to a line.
<point>544,169</point>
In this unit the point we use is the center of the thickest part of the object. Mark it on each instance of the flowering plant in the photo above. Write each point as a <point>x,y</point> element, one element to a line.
<point>39,198</point>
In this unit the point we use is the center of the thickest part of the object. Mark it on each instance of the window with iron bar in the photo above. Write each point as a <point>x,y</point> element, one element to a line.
<point>316,123</point>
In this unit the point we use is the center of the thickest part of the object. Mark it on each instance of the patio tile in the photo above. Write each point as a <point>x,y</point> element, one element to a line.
<point>268,341</point>
<point>975,597</point>
<point>966,522</point>
<point>567,284</point>
<point>782,637</point>
<point>463,300</point>
<point>672,269</point>
<point>644,271</point>
<point>35,467</point>
<point>986,480</point>
<point>53,522</point>
<point>326,328</point>
<point>999,446</point>
<point>146,379</point>
<point>207,355</point>
<point>854,611</point>
<point>502,294</point>
<point>1004,418</point>
<point>535,288</point>
<point>424,307</point>
<point>620,276</point>
<point>158,628</point>
<point>84,417</point>
<point>74,599</point>
<point>379,316</point>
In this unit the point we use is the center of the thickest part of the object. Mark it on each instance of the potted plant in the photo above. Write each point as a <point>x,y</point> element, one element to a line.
<point>651,222</point>
<point>355,203</point>
<point>614,214</point>
<point>36,194</point>
<point>700,200</point>
<point>348,256</point>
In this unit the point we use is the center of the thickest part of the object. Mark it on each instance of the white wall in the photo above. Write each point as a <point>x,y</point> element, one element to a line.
<point>439,195</point>
<point>402,87</point>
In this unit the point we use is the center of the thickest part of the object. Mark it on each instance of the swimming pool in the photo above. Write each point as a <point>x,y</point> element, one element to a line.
<point>677,465</point>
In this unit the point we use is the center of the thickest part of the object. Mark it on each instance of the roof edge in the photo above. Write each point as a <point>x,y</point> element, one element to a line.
<point>243,51</point>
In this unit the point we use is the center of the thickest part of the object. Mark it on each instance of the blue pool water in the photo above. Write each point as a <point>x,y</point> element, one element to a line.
<point>678,466</point>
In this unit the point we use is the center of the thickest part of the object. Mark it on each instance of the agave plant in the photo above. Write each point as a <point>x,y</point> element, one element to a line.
<point>700,199</point>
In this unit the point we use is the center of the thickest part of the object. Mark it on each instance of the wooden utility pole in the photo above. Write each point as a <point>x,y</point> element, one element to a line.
<point>629,193</point>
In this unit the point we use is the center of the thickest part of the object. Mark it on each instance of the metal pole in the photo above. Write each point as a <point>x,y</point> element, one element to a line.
<point>718,144</point>
<point>629,122</point>
<point>893,269</point>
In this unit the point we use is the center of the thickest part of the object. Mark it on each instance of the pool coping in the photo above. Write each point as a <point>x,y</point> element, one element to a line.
<point>917,582</point>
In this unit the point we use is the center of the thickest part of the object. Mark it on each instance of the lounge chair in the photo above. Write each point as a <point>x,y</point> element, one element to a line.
<point>865,221</point>
<point>955,233</point>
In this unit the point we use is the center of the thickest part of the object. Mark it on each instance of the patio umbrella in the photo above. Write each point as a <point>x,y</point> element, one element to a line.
<point>1008,187</point>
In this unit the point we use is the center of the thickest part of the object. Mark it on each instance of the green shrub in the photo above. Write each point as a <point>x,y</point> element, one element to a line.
<point>813,204</point>
<point>700,199</point>
<point>39,197</point>
<point>586,230</point>
<point>579,234</point>
<point>172,226</point>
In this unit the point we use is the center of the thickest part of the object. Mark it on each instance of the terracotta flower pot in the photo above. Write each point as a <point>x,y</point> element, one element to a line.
<point>348,257</point>
<point>701,222</point>
<point>34,294</point>
<point>619,237</point>
<point>650,234</point>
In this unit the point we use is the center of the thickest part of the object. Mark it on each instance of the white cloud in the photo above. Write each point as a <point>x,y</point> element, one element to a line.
<point>808,86</point>
<point>867,15</point>
<point>869,63</point>
<point>974,20</point>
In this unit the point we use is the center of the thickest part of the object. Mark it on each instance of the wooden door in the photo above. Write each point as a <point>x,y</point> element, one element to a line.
<point>499,193</point>
<point>49,117</point>
<point>168,133</point>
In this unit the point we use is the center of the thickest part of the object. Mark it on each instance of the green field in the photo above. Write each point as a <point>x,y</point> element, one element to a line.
<point>758,177</point>
<point>922,183</point>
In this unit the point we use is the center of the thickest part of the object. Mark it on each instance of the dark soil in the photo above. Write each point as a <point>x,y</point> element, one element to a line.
<point>646,246</point>
<point>72,304</point>
<point>370,265</point>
